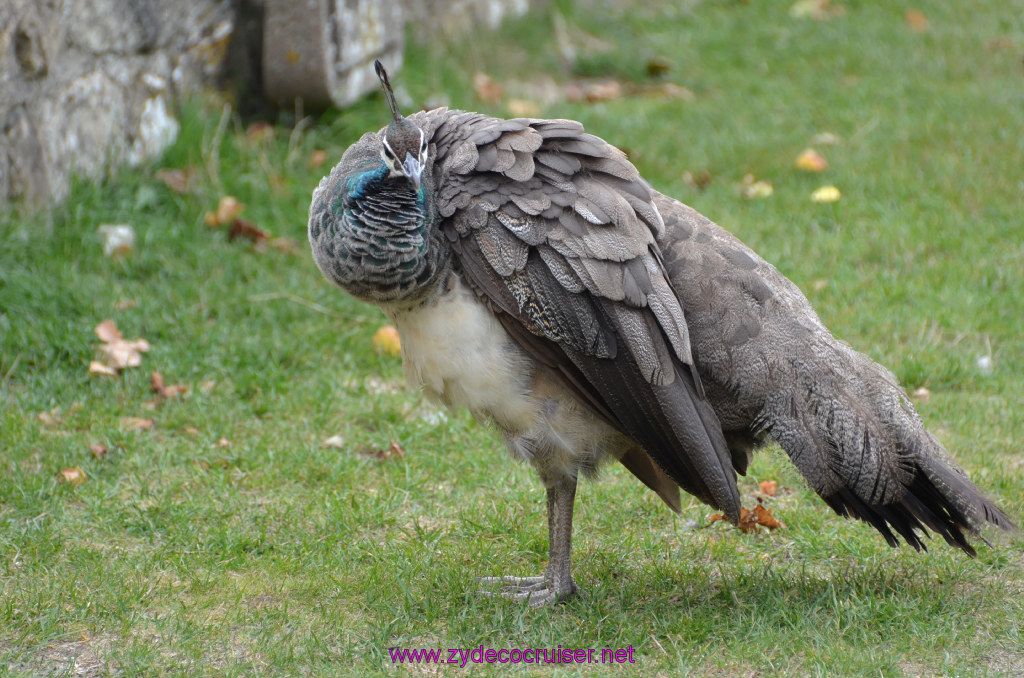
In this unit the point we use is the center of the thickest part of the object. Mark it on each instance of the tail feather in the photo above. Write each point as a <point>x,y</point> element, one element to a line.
<point>883,467</point>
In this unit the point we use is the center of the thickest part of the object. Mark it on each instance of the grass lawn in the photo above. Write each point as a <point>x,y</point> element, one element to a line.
<point>227,539</point>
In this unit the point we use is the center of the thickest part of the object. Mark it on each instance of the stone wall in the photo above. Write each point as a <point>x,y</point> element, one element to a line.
<point>88,85</point>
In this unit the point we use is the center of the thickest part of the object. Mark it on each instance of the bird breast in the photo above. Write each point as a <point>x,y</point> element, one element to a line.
<point>460,355</point>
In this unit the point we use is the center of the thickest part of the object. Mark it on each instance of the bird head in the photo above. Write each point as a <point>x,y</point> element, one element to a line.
<point>404,147</point>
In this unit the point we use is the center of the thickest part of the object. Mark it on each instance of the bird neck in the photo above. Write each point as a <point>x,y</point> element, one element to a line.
<point>376,242</point>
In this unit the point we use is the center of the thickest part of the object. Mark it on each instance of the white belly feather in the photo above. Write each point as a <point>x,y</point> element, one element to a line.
<point>461,355</point>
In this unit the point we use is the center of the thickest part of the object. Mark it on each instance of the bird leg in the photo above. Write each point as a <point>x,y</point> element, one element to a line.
<point>556,584</point>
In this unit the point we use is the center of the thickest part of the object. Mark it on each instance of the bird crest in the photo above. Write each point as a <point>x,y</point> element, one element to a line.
<point>404,144</point>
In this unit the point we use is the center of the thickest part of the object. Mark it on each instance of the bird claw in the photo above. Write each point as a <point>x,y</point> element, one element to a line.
<point>534,590</point>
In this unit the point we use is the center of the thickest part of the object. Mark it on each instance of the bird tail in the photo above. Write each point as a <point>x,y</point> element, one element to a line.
<point>851,431</point>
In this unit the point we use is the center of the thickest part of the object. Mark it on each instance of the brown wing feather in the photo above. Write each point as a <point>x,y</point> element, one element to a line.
<point>555,229</point>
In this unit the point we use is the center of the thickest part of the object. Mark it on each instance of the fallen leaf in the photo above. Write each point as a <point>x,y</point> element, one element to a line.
<point>284,245</point>
<point>336,442</point>
<point>810,160</point>
<point>486,89</point>
<point>178,180</point>
<point>317,158</point>
<point>210,219</point>
<point>658,66</point>
<point>749,520</point>
<point>156,383</point>
<point>671,90</point>
<point>191,430</point>
<point>136,424</point>
<point>51,418</point>
<point>207,386</point>
<point>768,487</point>
<point>699,180</point>
<point>117,239</point>
<point>825,194</point>
<point>916,20</point>
<point>124,354</point>
<point>222,442</point>
<point>523,108</point>
<point>394,450</point>
<point>126,304</point>
<point>98,451</point>
<point>228,209</point>
<point>921,393</point>
<point>754,189</point>
<point>98,368</point>
<point>387,341</point>
<point>593,91</point>
<point>120,352</point>
<point>72,476</point>
<point>240,228</point>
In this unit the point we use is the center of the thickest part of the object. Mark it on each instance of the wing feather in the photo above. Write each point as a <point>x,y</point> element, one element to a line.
<point>555,230</point>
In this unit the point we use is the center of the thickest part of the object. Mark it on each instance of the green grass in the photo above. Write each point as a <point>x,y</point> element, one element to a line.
<point>276,555</point>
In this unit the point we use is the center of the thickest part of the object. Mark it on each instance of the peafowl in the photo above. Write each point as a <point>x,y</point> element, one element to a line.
<point>537,280</point>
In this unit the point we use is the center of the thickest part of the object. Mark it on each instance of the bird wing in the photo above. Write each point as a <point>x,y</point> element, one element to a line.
<point>556,231</point>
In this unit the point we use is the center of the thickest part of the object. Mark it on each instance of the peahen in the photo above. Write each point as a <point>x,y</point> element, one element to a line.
<point>537,280</point>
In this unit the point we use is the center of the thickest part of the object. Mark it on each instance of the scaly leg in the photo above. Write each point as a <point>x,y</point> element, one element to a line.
<point>557,583</point>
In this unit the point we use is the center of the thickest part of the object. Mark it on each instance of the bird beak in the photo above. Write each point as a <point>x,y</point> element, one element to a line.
<point>412,170</point>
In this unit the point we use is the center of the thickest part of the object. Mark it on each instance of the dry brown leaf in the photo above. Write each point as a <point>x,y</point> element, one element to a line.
<point>593,91</point>
<point>749,520</point>
<point>222,442</point>
<point>317,158</point>
<point>119,352</point>
<point>671,90</point>
<point>916,20</point>
<point>191,430</point>
<point>178,180</point>
<point>486,89</point>
<point>700,179</point>
<point>922,393</point>
<point>228,209</point>
<point>658,66</point>
<point>768,487</point>
<point>72,476</point>
<point>98,451</point>
<point>810,160</point>
<point>126,304</point>
<point>99,369</point>
<point>394,450</point>
<point>240,228</point>
<point>136,423</point>
<point>157,385</point>
<point>107,332</point>
<point>523,108</point>
<point>387,341</point>
<point>156,382</point>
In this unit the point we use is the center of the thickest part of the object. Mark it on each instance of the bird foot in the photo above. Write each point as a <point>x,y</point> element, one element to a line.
<point>535,590</point>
